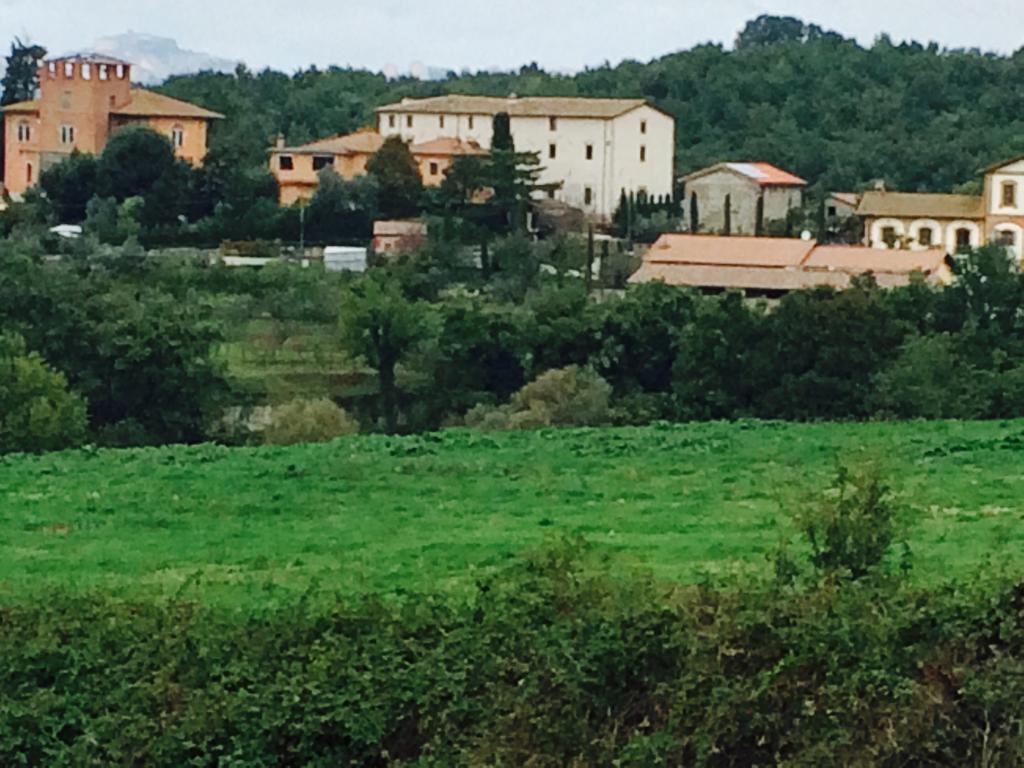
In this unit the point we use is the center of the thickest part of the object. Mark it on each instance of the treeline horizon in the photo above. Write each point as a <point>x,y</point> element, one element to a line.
<point>842,115</point>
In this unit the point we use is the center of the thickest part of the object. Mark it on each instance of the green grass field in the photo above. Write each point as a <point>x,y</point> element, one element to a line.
<point>244,526</point>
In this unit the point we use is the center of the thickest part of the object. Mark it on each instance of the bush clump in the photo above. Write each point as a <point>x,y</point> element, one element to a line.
<point>37,410</point>
<point>308,421</point>
<point>566,397</point>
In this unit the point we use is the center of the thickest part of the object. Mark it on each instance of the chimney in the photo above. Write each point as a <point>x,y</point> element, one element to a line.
<point>880,186</point>
<point>280,141</point>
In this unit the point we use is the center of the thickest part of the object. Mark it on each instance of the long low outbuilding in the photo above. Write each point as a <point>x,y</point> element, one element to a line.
<point>764,266</point>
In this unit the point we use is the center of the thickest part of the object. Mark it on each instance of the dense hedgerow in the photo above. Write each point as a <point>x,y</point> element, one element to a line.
<point>544,666</point>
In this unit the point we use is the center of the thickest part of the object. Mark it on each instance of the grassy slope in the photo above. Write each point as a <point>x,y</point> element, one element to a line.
<point>384,514</point>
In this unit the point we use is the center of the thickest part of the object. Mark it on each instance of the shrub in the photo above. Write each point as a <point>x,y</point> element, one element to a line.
<point>567,397</point>
<point>308,421</point>
<point>37,411</point>
<point>851,527</point>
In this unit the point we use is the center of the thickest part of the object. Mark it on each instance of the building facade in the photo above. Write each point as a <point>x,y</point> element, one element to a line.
<point>752,191</point>
<point>591,150</point>
<point>920,221</point>
<point>297,168</point>
<point>82,101</point>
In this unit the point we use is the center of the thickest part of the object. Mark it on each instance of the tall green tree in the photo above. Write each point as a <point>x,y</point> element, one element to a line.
<point>381,325</point>
<point>513,177</point>
<point>70,185</point>
<point>399,184</point>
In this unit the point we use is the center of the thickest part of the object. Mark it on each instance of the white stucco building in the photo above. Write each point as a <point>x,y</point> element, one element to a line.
<point>917,221</point>
<point>593,148</point>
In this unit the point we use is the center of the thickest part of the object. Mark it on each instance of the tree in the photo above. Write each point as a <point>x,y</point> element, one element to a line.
<point>727,227</point>
<point>398,179</point>
<point>513,177</point>
<point>694,213</point>
<point>70,185</point>
<point>37,410</point>
<point>342,210</point>
<point>759,217</point>
<point>381,325</point>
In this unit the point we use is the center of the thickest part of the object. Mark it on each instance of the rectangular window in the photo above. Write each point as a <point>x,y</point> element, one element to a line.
<point>408,121</point>
<point>69,69</point>
<point>51,69</point>
<point>104,72</point>
<point>121,71</point>
<point>178,136</point>
<point>471,122</point>
<point>286,163</point>
<point>925,237</point>
<point>588,196</point>
<point>643,126</point>
<point>322,161</point>
<point>87,71</point>
<point>67,134</point>
<point>24,132</point>
<point>889,236</point>
<point>1009,194</point>
<point>552,151</point>
<point>29,173</point>
<point>391,121</point>
<point>832,211</point>
<point>963,239</point>
<point>553,123</point>
<point>434,170</point>
<point>551,194</point>
<point>590,151</point>
<point>440,121</point>
<point>643,154</point>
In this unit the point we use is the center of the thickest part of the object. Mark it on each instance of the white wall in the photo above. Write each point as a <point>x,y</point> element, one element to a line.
<point>1013,174</point>
<point>614,166</point>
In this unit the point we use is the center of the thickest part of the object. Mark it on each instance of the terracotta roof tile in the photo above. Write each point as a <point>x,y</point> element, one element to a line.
<point>731,251</point>
<point>360,142</point>
<point>22,106</point>
<point>913,205</point>
<point>527,106</point>
<point>765,174</point>
<point>858,259</point>
<point>150,104</point>
<point>447,146</point>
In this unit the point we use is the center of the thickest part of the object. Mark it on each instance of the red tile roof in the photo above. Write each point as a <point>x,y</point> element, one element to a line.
<point>765,174</point>
<point>447,146</point>
<point>150,104</point>
<point>731,251</point>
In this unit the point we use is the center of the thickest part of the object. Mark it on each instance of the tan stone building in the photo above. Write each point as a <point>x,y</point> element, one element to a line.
<point>750,189</point>
<point>296,168</point>
<point>82,101</point>
<point>920,221</point>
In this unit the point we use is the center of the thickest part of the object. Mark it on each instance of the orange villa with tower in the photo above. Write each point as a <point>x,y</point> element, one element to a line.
<point>83,100</point>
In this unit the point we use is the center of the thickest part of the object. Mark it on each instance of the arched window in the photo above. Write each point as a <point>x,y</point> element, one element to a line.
<point>178,136</point>
<point>29,173</point>
<point>963,239</point>
<point>24,131</point>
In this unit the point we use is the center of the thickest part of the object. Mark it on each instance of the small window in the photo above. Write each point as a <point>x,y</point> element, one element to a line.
<point>121,71</point>
<point>1009,194</point>
<point>51,69</point>
<point>551,194</point>
<point>178,136</point>
<point>67,134</point>
<point>87,71</point>
<point>29,173</point>
<point>408,121</point>
<point>553,123</point>
<point>322,161</point>
<point>440,121</point>
<point>643,154</point>
<point>104,72</point>
<point>588,196</point>
<point>471,122</point>
<point>643,126</point>
<point>391,121</point>
<point>925,237</point>
<point>552,151</point>
<point>590,151</point>
<point>286,163</point>
<point>69,69</point>
<point>963,239</point>
<point>24,131</point>
<point>1007,238</point>
<point>434,170</point>
<point>889,236</point>
<point>832,211</point>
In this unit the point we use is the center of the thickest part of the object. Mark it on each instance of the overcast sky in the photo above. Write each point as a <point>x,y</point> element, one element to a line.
<point>456,34</point>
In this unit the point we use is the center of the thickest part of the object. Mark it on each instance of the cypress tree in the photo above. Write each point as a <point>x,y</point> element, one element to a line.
<point>727,228</point>
<point>694,213</point>
<point>759,221</point>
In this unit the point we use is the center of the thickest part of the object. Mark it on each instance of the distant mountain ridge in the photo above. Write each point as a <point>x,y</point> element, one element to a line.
<point>155,58</point>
